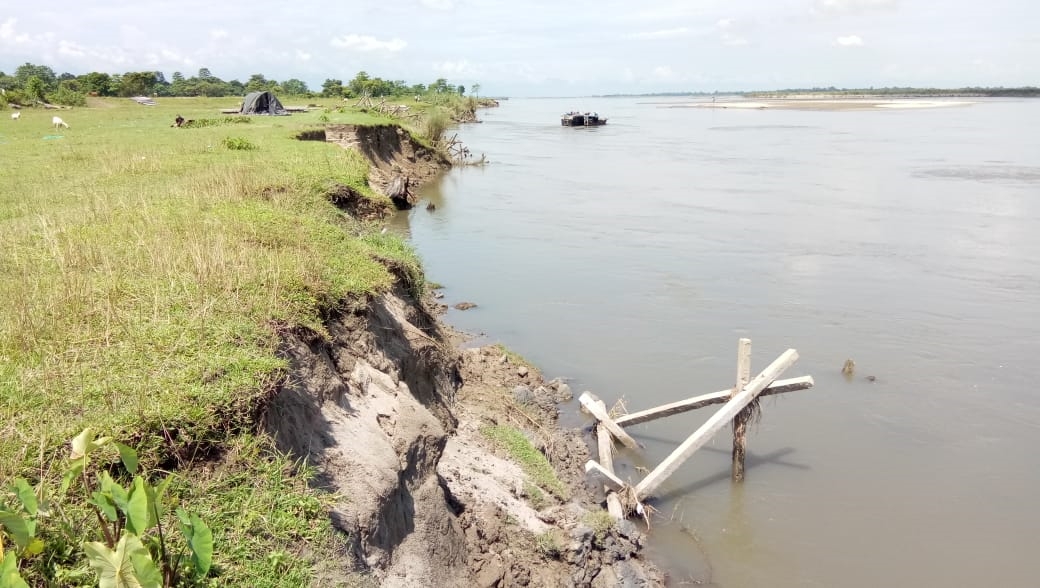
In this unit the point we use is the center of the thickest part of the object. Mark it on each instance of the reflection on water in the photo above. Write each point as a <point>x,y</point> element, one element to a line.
<point>631,258</point>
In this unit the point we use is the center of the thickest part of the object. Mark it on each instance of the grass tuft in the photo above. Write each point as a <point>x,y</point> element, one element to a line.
<point>519,448</point>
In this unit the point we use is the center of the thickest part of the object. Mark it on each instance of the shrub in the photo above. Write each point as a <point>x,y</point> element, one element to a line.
<point>434,125</point>
<point>198,123</point>
<point>239,144</point>
<point>67,96</point>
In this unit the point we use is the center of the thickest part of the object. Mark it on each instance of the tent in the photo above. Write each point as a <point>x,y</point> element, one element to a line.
<point>261,103</point>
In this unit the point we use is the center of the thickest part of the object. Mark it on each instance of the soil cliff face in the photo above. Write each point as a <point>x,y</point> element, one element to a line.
<point>381,407</point>
<point>370,405</point>
<point>397,160</point>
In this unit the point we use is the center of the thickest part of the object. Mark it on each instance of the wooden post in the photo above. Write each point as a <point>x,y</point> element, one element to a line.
<point>740,421</point>
<point>713,424</point>
<point>720,397</point>
<point>606,457</point>
<point>598,410</point>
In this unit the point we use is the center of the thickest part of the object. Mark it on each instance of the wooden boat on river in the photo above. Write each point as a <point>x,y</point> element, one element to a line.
<point>582,119</point>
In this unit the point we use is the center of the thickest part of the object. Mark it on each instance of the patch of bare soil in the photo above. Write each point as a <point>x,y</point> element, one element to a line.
<point>514,539</point>
<point>391,413</point>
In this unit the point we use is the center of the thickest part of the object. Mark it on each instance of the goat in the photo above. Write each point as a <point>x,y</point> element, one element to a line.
<point>59,123</point>
<point>16,115</point>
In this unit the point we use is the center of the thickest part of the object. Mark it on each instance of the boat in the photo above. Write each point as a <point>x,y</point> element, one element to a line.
<point>582,119</point>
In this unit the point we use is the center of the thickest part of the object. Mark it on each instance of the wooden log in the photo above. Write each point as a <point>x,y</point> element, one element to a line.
<point>609,479</point>
<point>713,424</point>
<point>740,421</point>
<point>588,400</point>
<point>399,192</point>
<point>777,387</point>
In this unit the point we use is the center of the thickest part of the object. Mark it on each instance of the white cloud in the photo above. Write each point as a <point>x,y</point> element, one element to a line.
<point>661,34</point>
<point>367,43</point>
<point>303,55</point>
<point>727,34</point>
<point>462,68</point>
<point>732,40</point>
<point>174,57</point>
<point>849,41</point>
<point>217,34</point>
<point>851,6</point>
<point>663,72</point>
<point>70,49</point>
<point>438,4</point>
<point>9,35</point>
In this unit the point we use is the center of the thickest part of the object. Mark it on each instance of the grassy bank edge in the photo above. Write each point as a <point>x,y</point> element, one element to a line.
<point>154,269</point>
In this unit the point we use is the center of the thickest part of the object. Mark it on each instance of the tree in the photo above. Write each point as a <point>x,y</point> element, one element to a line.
<point>475,89</point>
<point>28,70</point>
<point>35,88</point>
<point>258,83</point>
<point>177,77</point>
<point>204,73</point>
<point>295,87</point>
<point>440,86</point>
<point>95,82</point>
<point>137,83</point>
<point>332,88</point>
<point>359,84</point>
<point>461,89</point>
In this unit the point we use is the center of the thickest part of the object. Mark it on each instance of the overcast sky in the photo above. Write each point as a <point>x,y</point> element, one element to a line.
<point>543,47</point>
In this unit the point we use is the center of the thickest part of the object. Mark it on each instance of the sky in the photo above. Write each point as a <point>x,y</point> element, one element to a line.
<point>543,47</point>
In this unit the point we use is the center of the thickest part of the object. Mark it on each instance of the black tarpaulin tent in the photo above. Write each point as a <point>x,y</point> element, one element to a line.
<point>262,103</point>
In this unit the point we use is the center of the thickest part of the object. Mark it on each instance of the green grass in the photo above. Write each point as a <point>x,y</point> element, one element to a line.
<point>513,357</point>
<point>146,271</point>
<point>533,462</point>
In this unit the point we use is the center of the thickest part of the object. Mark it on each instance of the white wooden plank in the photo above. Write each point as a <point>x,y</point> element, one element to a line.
<point>714,424</point>
<point>589,401</point>
<point>681,406</point>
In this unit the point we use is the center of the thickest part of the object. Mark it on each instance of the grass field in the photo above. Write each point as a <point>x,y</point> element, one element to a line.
<point>145,271</point>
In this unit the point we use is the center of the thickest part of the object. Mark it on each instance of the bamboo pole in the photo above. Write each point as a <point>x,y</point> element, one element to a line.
<point>609,479</point>
<point>589,401</point>
<point>713,424</point>
<point>720,397</point>
<point>606,458</point>
<point>740,421</point>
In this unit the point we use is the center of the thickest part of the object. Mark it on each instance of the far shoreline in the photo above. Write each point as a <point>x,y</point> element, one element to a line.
<point>819,103</point>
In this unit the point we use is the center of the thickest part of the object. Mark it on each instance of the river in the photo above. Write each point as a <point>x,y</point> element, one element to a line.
<point>631,258</point>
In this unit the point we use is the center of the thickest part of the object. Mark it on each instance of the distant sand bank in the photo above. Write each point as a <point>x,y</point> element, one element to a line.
<point>830,104</point>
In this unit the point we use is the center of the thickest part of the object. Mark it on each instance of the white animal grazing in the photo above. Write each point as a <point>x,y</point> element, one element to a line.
<point>16,115</point>
<point>59,123</point>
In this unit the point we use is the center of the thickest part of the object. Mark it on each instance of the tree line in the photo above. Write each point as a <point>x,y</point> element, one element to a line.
<point>31,83</point>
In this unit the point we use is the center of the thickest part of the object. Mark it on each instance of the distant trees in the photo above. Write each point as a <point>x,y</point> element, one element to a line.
<point>95,82</point>
<point>332,88</point>
<point>295,87</point>
<point>31,82</point>
<point>138,83</point>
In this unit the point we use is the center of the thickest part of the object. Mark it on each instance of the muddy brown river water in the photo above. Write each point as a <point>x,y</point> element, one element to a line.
<point>631,257</point>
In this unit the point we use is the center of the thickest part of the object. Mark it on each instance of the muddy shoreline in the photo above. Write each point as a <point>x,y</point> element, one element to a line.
<point>401,419</point>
